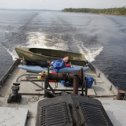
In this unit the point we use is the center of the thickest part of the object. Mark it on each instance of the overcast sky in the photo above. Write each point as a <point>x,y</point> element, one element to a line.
<point>60,4</point>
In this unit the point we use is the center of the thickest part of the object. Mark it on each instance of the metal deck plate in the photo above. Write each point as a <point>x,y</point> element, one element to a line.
<point>116,111</point>
<point>13,116</point>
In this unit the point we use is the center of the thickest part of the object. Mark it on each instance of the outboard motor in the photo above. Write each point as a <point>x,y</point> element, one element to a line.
<point>14,96</point>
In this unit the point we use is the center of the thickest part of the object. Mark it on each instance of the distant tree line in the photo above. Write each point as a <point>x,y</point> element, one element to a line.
<point>113,11</point>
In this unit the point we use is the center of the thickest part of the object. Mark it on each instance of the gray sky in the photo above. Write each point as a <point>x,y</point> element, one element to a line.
<point>60,4</point>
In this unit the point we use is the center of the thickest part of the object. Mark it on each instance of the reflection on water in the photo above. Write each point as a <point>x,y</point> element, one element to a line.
<point>100,38</point>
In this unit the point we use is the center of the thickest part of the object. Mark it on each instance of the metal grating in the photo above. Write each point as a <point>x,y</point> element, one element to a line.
<point>54,115</point>
<point>94,115</point>
<point>69,110</point>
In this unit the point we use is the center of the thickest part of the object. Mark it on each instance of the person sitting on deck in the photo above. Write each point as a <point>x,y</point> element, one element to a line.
<point>60,63</point>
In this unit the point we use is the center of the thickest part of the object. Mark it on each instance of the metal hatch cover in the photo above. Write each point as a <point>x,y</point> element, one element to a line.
<point>69,110</point>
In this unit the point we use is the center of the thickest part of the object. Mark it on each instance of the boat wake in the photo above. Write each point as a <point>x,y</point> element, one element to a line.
<point>41,40</point>
<point>36,40</point>
<point>10,51</point>
<point>90,53</point>
<point>59,41</point>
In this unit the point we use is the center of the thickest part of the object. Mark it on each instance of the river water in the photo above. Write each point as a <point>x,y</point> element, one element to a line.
<point>101,38</point>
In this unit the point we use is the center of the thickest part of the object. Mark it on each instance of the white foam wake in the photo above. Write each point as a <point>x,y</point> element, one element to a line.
<point>36,39</point>
<point>90,53</point>
<point>12,53</point>
<point>39,40</point>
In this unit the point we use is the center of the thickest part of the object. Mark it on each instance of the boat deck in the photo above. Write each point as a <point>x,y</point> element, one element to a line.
<point>31,94</point>
<point>100,88</point>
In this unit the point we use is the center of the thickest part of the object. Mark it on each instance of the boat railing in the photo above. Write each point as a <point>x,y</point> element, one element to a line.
<point>101,75</point>
<point>92,67</point>
<point>6,75</point>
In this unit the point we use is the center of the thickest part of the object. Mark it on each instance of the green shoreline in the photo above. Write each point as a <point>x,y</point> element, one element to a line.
<point>111,11</point>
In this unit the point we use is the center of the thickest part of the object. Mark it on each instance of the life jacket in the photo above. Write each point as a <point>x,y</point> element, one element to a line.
<point>58,64</point>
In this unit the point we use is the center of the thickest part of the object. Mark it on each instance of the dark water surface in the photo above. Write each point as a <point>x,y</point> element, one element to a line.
<point>101,38</point>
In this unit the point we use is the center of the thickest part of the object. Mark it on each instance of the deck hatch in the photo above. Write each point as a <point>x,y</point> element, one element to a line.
<point>70,110</point>
<point>94,115</point>
<point>54,115</point>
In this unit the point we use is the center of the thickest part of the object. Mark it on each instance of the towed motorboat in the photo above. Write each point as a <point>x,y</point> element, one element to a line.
<point>42,54</point>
